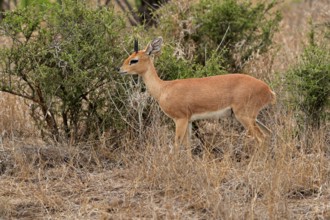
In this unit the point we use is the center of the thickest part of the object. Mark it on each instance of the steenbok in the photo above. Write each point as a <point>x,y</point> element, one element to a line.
<point>187,100</point>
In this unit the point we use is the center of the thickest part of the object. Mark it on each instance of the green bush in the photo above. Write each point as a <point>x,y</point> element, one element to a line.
<point>241,27</point>
<point>170,67</point>
<point>237,30</point>
<point>62,58</point>
<point>310,85</point>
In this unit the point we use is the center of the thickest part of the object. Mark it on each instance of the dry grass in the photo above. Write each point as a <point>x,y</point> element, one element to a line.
<point>15,121</point>
<point>87,181</point>
<point>231,178</point>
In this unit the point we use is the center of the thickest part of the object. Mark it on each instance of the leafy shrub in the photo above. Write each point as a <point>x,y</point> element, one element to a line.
<point>239,26</point>
<point>310,84</point>
<point>235,29</point>
<point>26,3</point>
<point>62,58</point>
<point>171,67</point>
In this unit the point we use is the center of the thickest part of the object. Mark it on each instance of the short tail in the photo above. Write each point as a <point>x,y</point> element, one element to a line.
<point>273,98</point>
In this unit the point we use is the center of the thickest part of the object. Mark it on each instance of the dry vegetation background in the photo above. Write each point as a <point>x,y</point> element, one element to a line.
<point>286,179</point>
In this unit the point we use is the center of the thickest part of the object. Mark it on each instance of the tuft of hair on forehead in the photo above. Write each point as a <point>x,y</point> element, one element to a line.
<point>136,45</point>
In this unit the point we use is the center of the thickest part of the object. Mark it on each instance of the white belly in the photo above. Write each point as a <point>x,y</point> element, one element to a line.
<point>214,115</point>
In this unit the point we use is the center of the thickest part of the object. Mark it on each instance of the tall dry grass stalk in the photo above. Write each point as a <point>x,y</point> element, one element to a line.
<point>15,121</point>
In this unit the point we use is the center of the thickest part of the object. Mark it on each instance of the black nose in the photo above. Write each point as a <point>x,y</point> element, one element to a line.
<point>117,69</point>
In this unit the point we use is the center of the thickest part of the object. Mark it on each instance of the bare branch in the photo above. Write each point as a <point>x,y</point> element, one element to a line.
<point>135,19</point>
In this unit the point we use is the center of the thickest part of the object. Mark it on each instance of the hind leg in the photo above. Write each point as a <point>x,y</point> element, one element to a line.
<point>264,128</point>
<point>253,129</point>
<point>251,126</point>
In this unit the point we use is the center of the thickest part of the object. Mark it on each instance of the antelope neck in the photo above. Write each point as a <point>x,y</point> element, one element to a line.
<point>153,83</point>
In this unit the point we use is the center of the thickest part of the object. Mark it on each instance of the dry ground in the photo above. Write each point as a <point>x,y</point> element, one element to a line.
<point>231,178</point>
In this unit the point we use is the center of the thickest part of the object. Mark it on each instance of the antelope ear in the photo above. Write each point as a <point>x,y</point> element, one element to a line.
<point>154,46</point>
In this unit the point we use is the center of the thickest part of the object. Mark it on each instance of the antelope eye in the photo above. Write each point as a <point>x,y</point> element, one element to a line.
<point>133,62</point>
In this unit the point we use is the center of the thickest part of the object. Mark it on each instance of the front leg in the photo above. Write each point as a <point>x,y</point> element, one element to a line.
<point>181,127</point>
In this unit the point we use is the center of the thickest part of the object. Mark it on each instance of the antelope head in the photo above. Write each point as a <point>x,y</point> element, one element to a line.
<point>140,60</point>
